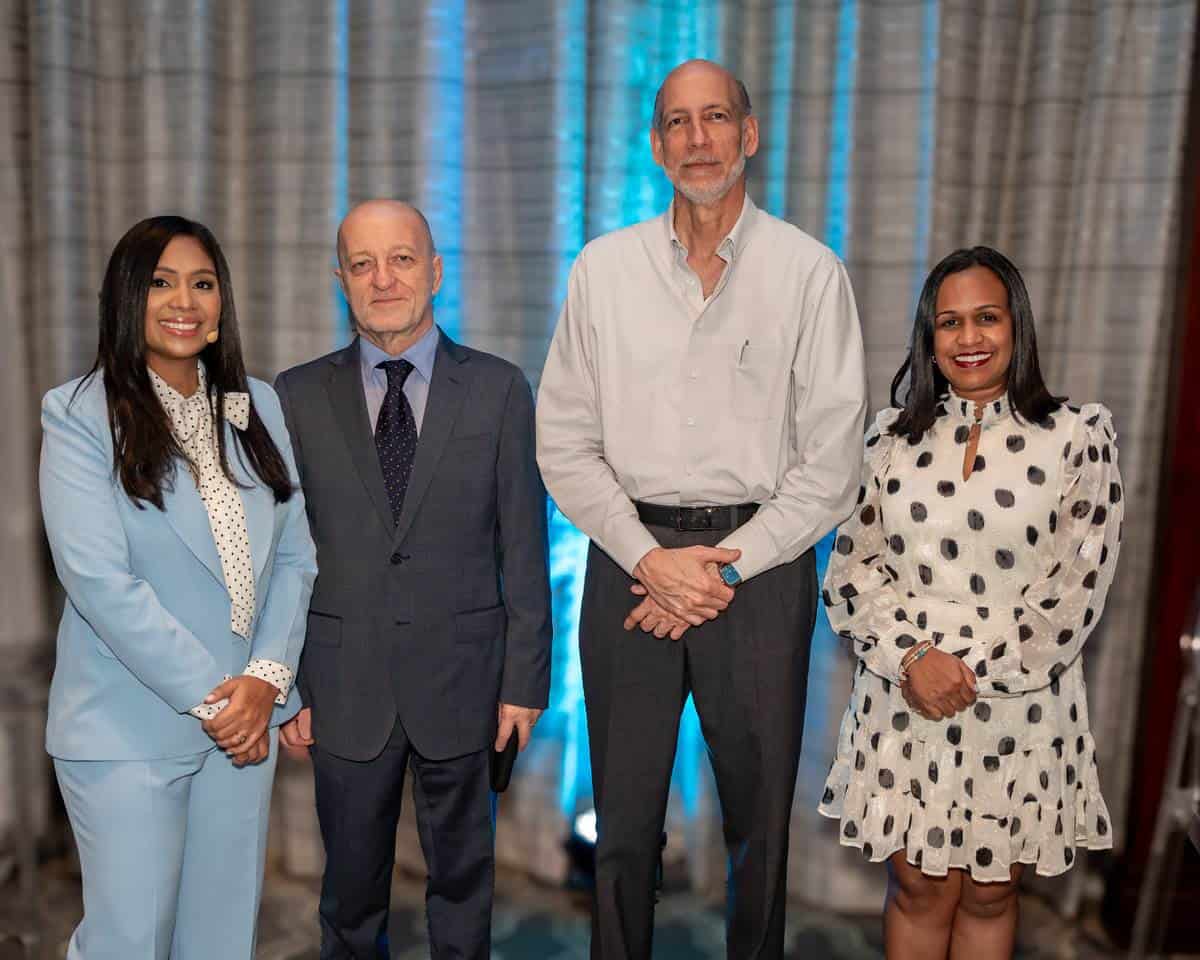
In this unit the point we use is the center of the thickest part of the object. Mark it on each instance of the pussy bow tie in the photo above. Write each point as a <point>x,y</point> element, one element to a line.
<point>185,412</point>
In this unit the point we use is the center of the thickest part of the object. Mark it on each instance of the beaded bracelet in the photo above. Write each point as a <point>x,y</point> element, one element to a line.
<point>912,657</point>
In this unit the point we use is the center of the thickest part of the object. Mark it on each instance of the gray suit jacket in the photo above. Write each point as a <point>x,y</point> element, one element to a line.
<point>438,617</point>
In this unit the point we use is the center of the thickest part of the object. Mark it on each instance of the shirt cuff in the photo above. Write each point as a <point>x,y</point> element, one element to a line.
<point>629,543</point>
<point>206,711</point>
<point>759,552</point>
<point>275,673</point>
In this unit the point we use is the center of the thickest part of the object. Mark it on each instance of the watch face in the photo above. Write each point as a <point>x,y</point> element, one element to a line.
<point>729,574</point>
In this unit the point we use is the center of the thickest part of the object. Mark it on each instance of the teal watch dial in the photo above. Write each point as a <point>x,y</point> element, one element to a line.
<point>729,574</point>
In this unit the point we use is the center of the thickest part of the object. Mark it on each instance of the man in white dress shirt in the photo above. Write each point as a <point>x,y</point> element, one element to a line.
<point>700,418</point>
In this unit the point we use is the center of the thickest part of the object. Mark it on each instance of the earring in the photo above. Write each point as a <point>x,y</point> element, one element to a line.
<point>211,336</point>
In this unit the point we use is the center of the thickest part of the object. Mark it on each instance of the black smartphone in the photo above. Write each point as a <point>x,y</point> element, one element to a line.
<point>502,761</point>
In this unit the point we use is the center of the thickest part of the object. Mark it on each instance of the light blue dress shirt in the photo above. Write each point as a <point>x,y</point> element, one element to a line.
<point>416,388</point>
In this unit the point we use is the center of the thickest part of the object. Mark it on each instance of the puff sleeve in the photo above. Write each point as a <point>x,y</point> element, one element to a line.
<point>860,593</point>
<point>1060,610</point>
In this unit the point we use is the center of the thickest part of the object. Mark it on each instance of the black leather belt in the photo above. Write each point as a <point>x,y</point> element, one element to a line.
<point>695,518</point>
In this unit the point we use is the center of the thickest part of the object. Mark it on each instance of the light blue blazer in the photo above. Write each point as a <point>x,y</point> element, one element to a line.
<point>145,629</point>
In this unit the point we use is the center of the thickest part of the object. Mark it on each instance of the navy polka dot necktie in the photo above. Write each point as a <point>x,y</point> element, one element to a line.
<point>396,434</point>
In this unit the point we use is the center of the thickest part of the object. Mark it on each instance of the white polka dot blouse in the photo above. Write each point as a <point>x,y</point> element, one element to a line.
<point>193,422</point>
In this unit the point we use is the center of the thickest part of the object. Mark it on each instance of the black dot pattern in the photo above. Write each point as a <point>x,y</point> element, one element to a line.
<point>1007,570</point>
<point>193,421</point>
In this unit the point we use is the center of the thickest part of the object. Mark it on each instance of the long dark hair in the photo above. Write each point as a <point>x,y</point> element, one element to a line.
<point>144,448</point>
<point>1027,393</point>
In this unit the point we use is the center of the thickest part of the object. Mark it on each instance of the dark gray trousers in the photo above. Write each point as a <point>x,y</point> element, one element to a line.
<point>747,673</point>
<point>358,806</point>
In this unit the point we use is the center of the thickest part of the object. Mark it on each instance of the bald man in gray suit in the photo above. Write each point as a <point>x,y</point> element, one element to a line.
<point>429,629</point>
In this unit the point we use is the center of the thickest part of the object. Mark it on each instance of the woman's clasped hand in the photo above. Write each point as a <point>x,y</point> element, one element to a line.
<point>939,685</point>
<point>241,728</point>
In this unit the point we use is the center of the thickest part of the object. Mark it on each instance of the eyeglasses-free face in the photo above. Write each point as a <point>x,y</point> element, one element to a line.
<point>973,333</point>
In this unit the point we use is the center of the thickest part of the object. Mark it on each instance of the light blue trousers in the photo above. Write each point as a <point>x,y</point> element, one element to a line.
<point>172,855</point>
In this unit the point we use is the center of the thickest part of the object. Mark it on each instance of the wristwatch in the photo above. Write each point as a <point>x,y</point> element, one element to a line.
<point>729,574</point>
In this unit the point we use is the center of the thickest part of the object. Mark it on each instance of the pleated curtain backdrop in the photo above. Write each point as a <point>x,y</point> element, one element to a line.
<point>893,131</point>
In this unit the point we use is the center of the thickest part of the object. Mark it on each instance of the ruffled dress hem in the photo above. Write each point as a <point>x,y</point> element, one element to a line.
<point>1033,807</point>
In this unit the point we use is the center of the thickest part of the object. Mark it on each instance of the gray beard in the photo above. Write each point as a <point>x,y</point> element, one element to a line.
<point>706,197</point>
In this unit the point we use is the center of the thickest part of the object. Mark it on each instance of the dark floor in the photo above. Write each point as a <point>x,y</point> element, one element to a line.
<point>531,922</point>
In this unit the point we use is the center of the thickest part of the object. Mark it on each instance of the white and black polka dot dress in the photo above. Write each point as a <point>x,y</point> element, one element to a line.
<point>1009,571</point>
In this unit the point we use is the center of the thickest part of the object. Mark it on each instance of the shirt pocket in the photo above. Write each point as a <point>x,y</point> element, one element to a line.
<point>754,378</point>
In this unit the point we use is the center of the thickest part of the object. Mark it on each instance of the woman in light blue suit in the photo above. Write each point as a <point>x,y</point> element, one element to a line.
<point>178,531</point>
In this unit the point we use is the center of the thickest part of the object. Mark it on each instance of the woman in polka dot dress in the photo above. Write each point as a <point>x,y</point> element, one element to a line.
<point>973,569</point>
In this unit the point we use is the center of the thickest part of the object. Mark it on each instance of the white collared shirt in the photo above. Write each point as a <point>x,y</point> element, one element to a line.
<point>756,394</point>
<point>194,424</point>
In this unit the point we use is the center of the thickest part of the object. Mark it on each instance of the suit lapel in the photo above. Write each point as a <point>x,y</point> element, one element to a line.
<point>446,394</point>
<point>345,389</point>
<point>185,512</point>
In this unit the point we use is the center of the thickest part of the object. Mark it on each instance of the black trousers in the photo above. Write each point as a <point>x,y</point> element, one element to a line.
<point>747,673</point>
<point>358,806</point>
